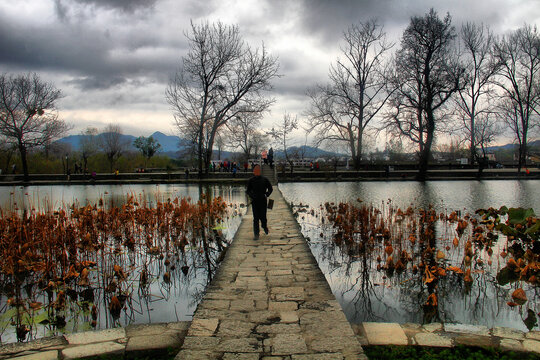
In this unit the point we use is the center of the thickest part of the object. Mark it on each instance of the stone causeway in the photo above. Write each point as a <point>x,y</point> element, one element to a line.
<point>268,300</point>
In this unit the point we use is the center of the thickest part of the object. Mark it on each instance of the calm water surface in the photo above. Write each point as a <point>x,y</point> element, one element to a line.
<point>162,302</point>
<point>366,294</point>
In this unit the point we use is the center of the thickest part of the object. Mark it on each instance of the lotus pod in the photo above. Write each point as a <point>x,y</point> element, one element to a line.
<point>389,250</point>
<point>83,281</point>
<point>389,263</point>
<point>524,272</point>
<point>456,241</point>
<point>115,307</point>
<point>519,296</point>
<point>512,265</point>
<point>399,265</point>
<point>468,277</point>
<point>440,255</point>
<point>432,300</point>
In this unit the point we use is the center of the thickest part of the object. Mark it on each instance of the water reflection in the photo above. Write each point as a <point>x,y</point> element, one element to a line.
<point>368,294</point>
<point>140,260</point>
<point>441,194</point>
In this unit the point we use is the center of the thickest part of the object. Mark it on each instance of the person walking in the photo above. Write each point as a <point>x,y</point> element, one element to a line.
<point>264,156</point>
<point>271,157</point>
<point>258,189</point>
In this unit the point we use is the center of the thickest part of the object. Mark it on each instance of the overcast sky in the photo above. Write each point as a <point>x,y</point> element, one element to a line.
<point>112,59</point>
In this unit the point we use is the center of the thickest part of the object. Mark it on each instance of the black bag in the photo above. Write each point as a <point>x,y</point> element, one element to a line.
<point>270,203</point>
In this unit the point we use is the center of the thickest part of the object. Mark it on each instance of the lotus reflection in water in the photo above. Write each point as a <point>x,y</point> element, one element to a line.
<point>416,265</point>
<point>78,268</point>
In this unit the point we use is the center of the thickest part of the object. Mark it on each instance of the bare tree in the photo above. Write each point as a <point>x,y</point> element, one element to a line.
<point>221,78</point>
<point>28,116</point>
<point>341,110</point>
<point>474,102</point>
<point>281,135</point>
<point>112,143</point>
<point>518,54</point>
<point>426,74</point>
<point>242,134</point>
<point>88,145</point>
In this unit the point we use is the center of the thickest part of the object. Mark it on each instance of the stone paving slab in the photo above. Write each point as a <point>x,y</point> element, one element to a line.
<point>98,349</point>
<point>384,334</point>
<point>269,299</point>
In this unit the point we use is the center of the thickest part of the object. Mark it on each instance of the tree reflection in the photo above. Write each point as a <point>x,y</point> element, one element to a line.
<point>107,264</point>
<point>417,265</point>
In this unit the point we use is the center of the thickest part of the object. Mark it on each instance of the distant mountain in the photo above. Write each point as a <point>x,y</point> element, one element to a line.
<point>307,152</point>
<point>532,144</point>
<point>169,143</point>
<point>75,140</point>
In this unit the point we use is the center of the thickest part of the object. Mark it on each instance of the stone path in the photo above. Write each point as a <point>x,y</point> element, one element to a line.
<point>269,300</point>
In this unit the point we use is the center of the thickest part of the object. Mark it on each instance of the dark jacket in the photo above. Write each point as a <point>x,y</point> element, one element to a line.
<point>259,188</point>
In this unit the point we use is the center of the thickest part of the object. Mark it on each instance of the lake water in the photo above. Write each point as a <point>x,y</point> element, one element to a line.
<point>160,301</point>
<point>368,294</point>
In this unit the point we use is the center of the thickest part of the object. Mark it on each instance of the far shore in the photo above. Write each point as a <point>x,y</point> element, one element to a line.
<point>301,175</point>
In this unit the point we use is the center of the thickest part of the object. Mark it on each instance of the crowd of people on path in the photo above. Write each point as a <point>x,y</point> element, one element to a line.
<point>228,166</point>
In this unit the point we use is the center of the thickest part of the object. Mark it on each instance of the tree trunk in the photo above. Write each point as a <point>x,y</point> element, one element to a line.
<point>352,145</point>
<point>472,149</point>
<point>22,150</point>
<point>200,156</point>
<point>426,151</point>
<point>522,157</point>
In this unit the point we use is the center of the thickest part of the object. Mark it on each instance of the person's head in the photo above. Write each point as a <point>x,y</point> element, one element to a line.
<point>257,170</point>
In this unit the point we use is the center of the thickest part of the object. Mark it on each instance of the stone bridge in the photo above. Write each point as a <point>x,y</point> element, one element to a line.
<point>270,300</point>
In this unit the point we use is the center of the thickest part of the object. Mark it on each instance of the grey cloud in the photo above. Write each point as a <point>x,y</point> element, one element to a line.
<point>97,82</point>
<point>98,57</point>
<point>328,19</point>
<point>129,6</point>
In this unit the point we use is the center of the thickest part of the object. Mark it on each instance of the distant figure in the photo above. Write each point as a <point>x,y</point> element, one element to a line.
<point>187,173</point>
<point>258,189</point>
<point>246,166</point>
<point>13,168</point>
<point>271,157</point>
<point>264,156</point>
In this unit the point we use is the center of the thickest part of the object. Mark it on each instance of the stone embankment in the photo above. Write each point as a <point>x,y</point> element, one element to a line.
<point>157,339</point>
<point>131,341</point>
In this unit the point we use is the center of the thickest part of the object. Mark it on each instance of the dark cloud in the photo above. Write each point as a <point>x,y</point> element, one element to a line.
<point>97,82</point>
<point>97,56</point>
<point>328,19</point>
<point>129,6</point>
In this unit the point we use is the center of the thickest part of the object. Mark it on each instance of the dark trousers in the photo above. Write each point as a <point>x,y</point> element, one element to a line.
<point>259,214</point>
